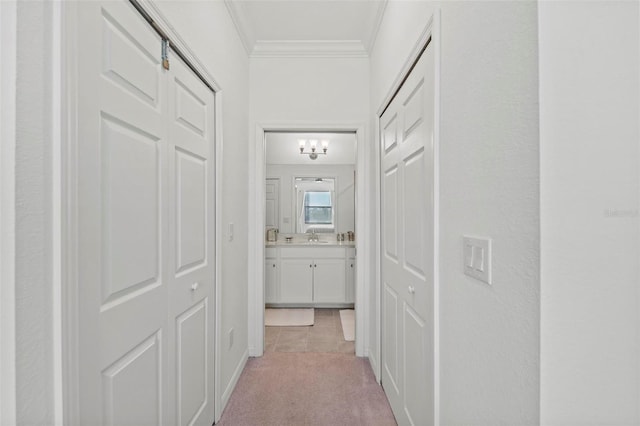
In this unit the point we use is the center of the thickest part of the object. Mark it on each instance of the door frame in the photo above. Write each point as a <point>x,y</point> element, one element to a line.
<point>66,303</point>
<point>430,35</point>
<point>8,51</point>
<point>365,215</point>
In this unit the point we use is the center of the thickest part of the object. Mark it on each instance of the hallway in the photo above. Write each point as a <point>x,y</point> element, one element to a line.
<point>307,389</point>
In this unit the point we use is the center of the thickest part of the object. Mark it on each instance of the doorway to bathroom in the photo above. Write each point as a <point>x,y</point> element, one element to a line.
<point>308,226</point>
<point>309,280</point>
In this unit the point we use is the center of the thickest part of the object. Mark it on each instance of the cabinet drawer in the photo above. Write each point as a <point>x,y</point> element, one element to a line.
<point>271,252</point>
<point>312,252</point>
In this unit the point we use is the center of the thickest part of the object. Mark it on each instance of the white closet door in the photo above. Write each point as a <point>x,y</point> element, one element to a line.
<point>191,196</point>
<point>142,174</point>
<point>406,136</point>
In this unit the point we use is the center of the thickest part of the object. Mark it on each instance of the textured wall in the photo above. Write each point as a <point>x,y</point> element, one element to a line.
<point>590,194</point>
<point>34,342</point>
<point>489,348</point>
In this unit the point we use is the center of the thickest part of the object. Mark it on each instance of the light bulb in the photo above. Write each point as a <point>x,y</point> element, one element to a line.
<point>325,145</point>
<point>302,143</point>
<point>313,144</point>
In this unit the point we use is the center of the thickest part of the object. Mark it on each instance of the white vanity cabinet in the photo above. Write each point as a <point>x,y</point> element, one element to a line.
<point>296,281</point>
<point>309,276</point>
<point>271,276</point>
<point>329,281</point>
<point>350,274</point>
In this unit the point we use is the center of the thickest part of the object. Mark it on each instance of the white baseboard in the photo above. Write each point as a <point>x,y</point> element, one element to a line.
<point>374,365</point>
<point>233,382</point>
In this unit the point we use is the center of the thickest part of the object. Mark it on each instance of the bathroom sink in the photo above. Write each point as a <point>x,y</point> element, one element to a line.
<point>312,243</point>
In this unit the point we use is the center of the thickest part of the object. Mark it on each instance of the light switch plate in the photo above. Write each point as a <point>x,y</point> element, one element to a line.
<point>477,258</point>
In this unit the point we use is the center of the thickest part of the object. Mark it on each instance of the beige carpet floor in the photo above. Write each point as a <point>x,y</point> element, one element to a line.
<point>296,389</point>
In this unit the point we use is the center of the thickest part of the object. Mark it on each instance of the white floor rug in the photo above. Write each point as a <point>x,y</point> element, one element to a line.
<point>288,317</point>
<point>348,320</point>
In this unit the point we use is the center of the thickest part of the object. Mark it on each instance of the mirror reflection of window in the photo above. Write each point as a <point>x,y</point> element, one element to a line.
<point>317,208</point>
<point>316,205</point>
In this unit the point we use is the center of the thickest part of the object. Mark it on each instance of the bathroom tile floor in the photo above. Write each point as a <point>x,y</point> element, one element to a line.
<point>324,336</point>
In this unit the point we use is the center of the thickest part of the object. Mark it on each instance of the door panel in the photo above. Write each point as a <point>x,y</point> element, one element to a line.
<point>296,281</point>
<point>392,341</point>
<point>191,173</point>
<point>192,357</point>
<point>126,59</point>
<point>390,225</point>
<point>329,280</point>
<point>130,199</point>
<point>141,365</point>
<point>120,164</point>
<point>191,104</point>
<point>416,352</point>
<point>408,247</point>
<point>271,280</point>
<point>413,216</point>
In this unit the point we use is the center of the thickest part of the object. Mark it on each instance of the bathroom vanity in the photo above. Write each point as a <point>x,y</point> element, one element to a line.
<point>303,274</point>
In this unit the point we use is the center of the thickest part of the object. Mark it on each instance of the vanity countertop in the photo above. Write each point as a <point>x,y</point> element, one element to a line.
<point>299,243</point>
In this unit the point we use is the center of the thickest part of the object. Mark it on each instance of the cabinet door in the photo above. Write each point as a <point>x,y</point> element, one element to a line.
<point>329,280</point>
<point>271,280</point>
<point>351,280</point>
<point>296,280</point>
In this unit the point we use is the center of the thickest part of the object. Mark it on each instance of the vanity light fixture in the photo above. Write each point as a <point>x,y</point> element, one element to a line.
<point>313,146</point>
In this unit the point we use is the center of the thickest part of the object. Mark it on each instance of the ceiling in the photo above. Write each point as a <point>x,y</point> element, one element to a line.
<point>283,148</point>
<point>307,27</point>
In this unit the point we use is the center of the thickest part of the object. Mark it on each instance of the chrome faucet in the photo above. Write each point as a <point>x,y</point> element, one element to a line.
<point>313,236</point>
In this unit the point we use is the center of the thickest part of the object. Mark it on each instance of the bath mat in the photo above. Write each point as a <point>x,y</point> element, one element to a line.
<point>348,320</point>
<point>288,317</point>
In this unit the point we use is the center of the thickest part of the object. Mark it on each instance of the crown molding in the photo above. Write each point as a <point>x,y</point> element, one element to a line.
<point>375,26</point>
<point>309,48</point>
<point>239,18</point>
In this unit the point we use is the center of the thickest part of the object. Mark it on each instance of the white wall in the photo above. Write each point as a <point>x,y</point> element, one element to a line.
<point>590,162</point>
<point>207,28</point>
<point>310,90</point>
<point>345,194</point>
<point>33,261</point>
<point>489,347</point>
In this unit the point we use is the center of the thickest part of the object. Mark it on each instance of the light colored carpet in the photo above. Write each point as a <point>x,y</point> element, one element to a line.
<point>348,320</point>
<point>288,317</point>
<point>310,389</point>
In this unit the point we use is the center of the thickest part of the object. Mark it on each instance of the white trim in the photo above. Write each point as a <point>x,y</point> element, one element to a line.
<point>68,219</point>
<point>234,379</point>
<point>431,30</point>
<point>436,40</point>
<point>257,175</point>
<point>375,28</point>
<point>218,152</point>
<point>309,48</point>
<point>8,51</point>
<point>57,28</point>
<point>238,16</point>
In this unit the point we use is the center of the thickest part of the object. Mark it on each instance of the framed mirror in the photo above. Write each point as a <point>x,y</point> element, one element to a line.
<point>316,205</point>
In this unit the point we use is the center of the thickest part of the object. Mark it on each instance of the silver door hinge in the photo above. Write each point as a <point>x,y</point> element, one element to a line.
<point>165,53</point>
